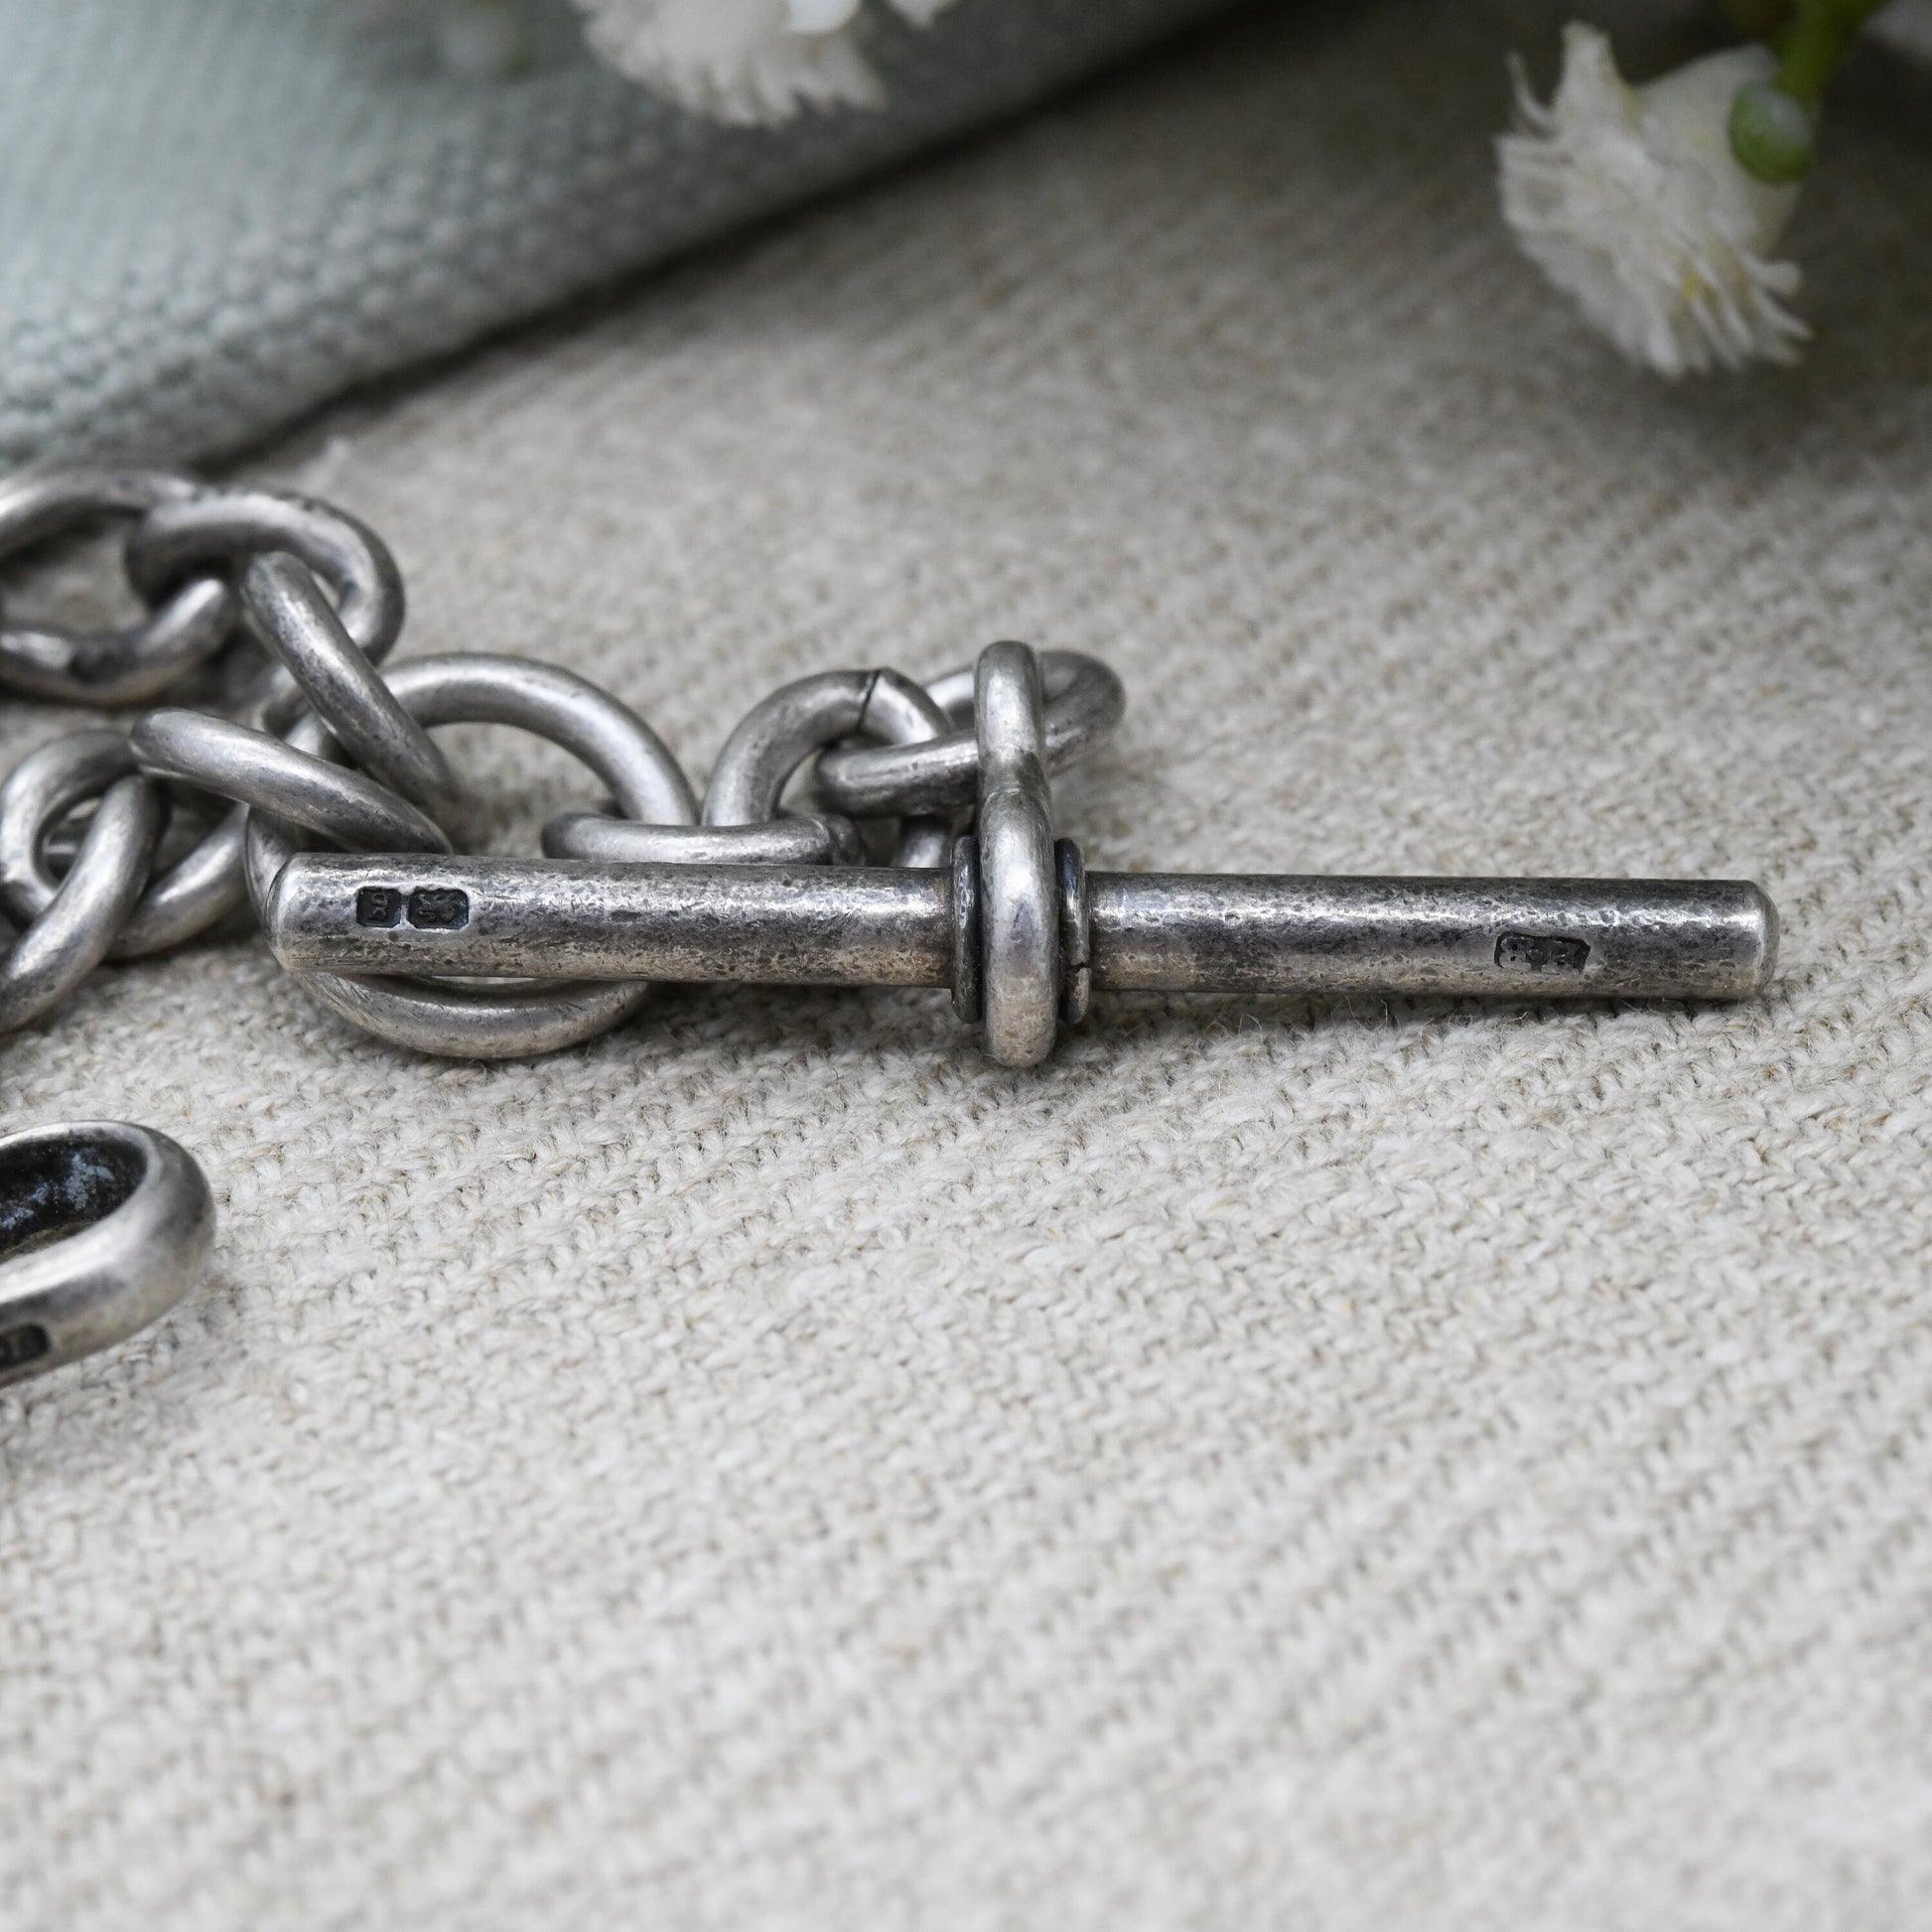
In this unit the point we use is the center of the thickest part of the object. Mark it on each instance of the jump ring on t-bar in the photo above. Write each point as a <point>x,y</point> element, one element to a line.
<point>1084,700</point>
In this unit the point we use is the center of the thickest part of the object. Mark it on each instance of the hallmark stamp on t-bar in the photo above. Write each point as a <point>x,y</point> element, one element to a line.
<point>1541,952</point>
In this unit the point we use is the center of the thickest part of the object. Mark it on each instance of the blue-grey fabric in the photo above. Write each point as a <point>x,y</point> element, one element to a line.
<point>217,214</point>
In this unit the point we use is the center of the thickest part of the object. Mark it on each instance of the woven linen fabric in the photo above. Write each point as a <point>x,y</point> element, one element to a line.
<point>218,212</point>
<point>1332,1465</point>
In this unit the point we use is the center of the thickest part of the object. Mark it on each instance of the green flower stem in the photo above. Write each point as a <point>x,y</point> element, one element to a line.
<point>1814,46</point>
<point>1772,123</point>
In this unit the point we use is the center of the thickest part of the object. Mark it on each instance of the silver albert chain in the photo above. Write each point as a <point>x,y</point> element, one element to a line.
<point>118,844</point>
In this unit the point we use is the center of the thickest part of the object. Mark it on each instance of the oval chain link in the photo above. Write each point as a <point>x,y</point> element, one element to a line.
<point>186,623</point>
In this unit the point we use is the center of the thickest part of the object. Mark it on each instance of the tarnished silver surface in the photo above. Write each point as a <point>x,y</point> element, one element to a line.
<point>43,502</point>
<point>1084,701</point>
<point>1076,932</point>
<point>103,1227</point>
<point>1523,938</point>
<point>741,822</point>
<point>807,839</point>
<point>1019,914</point>
<point>195,890</point>
<point>187,536</point>
<point>228,525</point>
<point>776,736</point>
<point>300,626</point>
<point>277,777</point>
<point>568,711</point>
<point>116,666</point>
<point>968,988</point>
<point>817,925</point>
<point>460,956</point>
<point>81,920</point>
<point>474,1022</point>
<point>899,712</point>
<point>645,782</point>
<point>742,825</point>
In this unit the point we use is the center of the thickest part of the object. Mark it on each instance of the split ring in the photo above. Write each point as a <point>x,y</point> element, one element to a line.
<point>1084,701</point>
<point>741,822</point>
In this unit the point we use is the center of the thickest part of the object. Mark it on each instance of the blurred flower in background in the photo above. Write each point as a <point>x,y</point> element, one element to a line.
<point>1630,201</point>
<point>743,60</point>
<point>1659,208</point>
<point>740,61</point>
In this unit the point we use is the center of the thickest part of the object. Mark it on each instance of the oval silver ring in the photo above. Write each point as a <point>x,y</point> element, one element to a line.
<point>809,838</point>
<point>1019,883</point>
<point>776,736</point>
<point>226,525</point>
<point>742,821</point>
<point>73,936</point>
<point>123,665</point>
<point>295,620</point>
<point>103,1227</point>
<point>200,886</point>
<point>274,775</point>
<point>645,782</point>
<point>1084,701</point>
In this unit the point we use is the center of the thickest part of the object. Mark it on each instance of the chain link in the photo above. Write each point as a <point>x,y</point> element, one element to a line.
<point>1084,701</point>
<point>324,745</point>
<point>186,621</point>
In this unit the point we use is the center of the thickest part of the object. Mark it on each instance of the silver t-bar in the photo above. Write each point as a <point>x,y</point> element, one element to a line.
<point>1171,932</point>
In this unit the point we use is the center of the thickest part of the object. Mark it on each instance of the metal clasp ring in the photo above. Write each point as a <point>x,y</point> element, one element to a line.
<point>103,1227</point>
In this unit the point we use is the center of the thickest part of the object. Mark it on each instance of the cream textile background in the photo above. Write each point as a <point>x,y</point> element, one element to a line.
<point>1283,1465</point>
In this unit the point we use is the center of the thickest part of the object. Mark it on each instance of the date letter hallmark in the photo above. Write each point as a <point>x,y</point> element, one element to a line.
<point>430,908</point>
<point>1541,953</point>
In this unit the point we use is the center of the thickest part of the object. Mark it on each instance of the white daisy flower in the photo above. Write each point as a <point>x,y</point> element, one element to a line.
<point>1631,202</point>
<point>744,60</point>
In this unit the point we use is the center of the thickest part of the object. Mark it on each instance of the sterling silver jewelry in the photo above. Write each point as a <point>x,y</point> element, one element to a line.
<point>103,1227</point>
<point>401,935</point>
